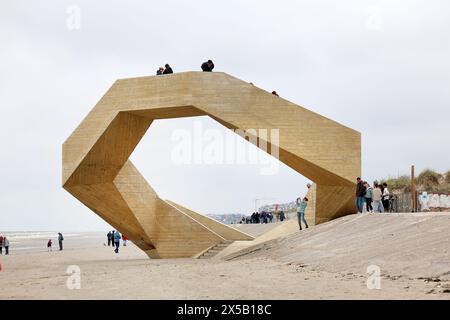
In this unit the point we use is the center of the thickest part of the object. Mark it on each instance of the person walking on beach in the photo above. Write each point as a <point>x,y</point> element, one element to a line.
<point>376,197</point>
<point>60,241</point>
<point>110,240</point>
<point>124,239</point>
<point>117,238</point>
<point>360,192</point>
<point>1,243</point>
<point>301,207</point>
<point>49,245</point>
<point>6,245</point>
<point>168,69</point>
<point>368,196</point>
<point>208,66</point>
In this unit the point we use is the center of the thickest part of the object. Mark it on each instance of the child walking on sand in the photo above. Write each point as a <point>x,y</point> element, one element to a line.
<point>49,245</point>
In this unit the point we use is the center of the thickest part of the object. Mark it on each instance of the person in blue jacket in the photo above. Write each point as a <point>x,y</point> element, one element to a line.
<point>301,207</point>
<point>117,238</point>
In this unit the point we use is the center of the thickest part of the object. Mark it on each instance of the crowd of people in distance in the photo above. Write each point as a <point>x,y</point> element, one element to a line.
<point>374,199</point>
<point>265,217</point>
<point>114,238</point>
<point>279,215</point>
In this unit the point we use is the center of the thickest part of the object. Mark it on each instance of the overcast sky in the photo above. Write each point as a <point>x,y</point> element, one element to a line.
<point>380,67</point>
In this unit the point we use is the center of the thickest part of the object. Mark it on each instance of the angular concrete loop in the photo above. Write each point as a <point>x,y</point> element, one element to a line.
<point>96,169</point>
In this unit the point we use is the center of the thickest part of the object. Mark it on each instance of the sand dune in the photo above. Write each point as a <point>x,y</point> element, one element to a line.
<point>411,245</point>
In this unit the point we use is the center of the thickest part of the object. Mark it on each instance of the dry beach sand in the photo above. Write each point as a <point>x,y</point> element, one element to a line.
<point>325,262</point>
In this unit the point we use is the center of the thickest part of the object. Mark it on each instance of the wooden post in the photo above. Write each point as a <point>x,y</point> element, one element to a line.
<point>413,189</point>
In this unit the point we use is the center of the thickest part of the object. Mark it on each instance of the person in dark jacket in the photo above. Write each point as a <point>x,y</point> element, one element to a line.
<point>109,236</point>
<point>208,66</point>
<point>360,194</point>
<point>160,71</point>
<point>168,70</point>
<point>60,241</point>
<point>257,217</point>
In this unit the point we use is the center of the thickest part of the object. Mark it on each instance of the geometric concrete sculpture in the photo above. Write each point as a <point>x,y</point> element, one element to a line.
<point>97,171</point>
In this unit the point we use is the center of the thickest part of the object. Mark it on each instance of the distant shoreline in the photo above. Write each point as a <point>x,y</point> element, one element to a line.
<point>22,242</point>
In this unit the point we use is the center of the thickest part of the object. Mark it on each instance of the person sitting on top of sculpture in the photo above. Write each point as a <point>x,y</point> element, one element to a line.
<point>208,66</point>
<point>168,69</point>
<point>160,71</point>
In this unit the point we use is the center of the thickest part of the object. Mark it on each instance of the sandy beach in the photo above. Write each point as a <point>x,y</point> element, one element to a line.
<point>308,268</point>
